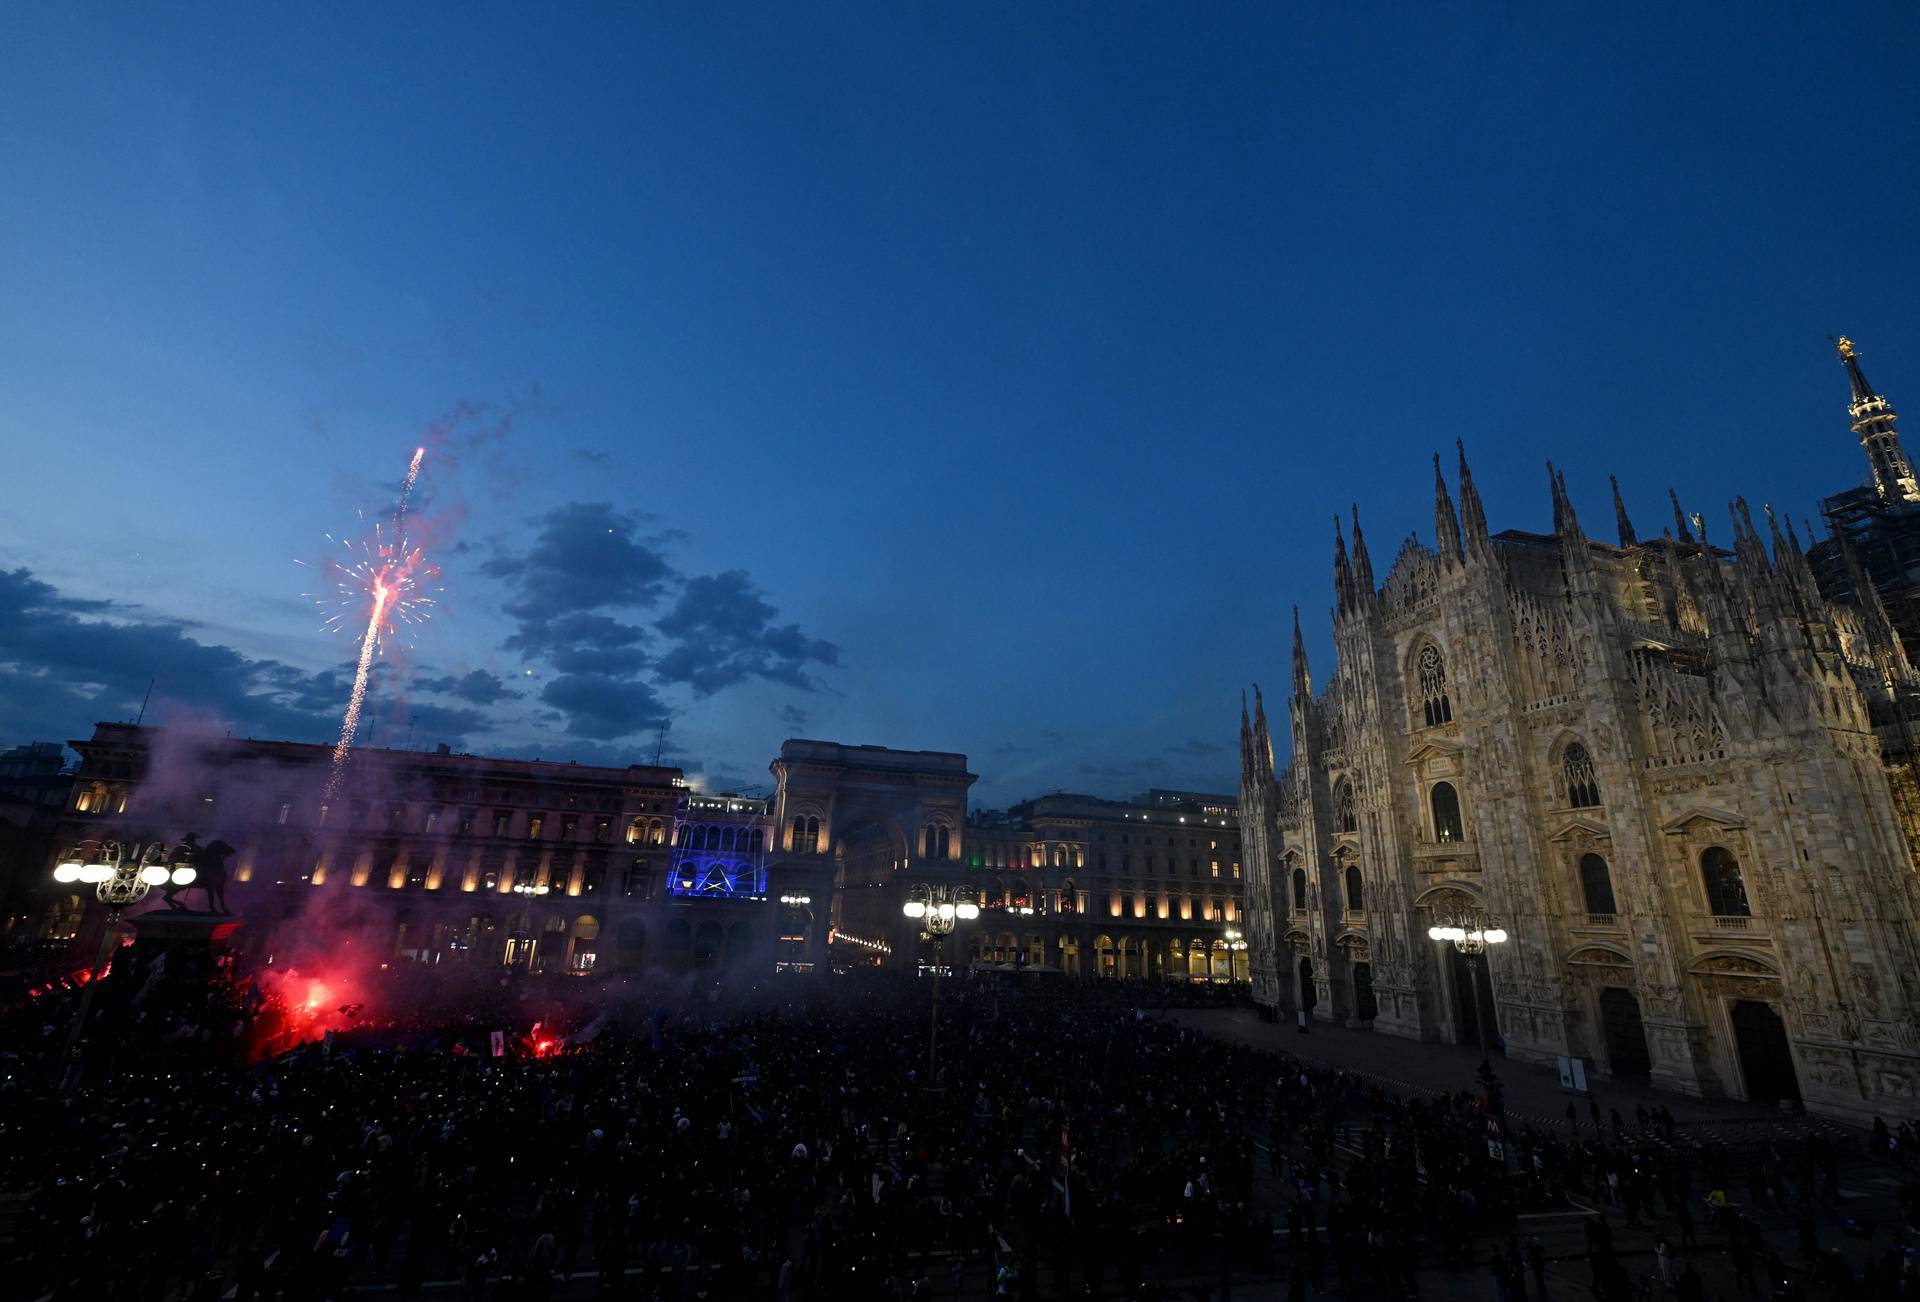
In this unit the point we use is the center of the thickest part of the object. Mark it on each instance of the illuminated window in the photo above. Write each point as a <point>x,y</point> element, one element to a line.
<point>1434,701</point>
<point>1447,825</point>
<point>285,810</point>
<point>1726,888</point>
<point>534,823</point>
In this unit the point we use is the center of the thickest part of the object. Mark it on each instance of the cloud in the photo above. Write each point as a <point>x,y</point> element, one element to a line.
<point>604,706</point>
<point>585,556</point>
<point>1047,740</point>
<point>792,716</point>
<point>1130,769</point>
<point>584,597</point>
<point>1195,746</point>
<point>584,643</point>
<point>593,456</point>
<point>479,687</point>
<point>67,662</point>
<point>723,633</point>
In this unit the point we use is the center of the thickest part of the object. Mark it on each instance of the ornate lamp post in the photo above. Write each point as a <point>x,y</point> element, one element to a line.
<point>1236,944</point>
<point>121,874</point>
<point>1468,932</point>
<point>798,904</point>
<point>938,909</point>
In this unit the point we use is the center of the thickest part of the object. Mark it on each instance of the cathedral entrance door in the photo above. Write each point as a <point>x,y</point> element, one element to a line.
<point>1308,998</point>
<point>1365,1006</point>
<point>1626,1037</point>
<point>1465,969</point>
<point>1765,1058</point>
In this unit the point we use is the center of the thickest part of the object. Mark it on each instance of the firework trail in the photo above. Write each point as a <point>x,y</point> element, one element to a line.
<point>406,489</point>
<point>391,573</point>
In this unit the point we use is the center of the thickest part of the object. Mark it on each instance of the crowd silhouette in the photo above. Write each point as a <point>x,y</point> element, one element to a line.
<point>785,1142</point>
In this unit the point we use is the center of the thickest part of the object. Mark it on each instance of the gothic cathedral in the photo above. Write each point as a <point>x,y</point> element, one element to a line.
<point>1674,773</point>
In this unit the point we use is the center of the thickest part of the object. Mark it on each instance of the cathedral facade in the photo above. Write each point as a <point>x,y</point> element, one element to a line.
<point>1660,766</point>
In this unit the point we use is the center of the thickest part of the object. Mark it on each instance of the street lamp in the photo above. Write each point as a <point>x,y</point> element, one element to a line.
<point>1236,944</point>
<point>121,874</point>
<point>938,909</point>
<point>1468,932</point>
<point>798,903</point>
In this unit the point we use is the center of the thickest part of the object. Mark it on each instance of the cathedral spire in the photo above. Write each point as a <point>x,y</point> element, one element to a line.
<point>1262,740</point>
<point>1302,679</point>
<point>1873,420</point>
<point>1803,581</point>
<point>1565,522</point>
<point>1342,572</point>
<point>1362,566</point>
<point>1627,538</point>
<point>1446,525</point>
<point>1473,516</point>
<point>1680,518</point>
<point>1874,620</point>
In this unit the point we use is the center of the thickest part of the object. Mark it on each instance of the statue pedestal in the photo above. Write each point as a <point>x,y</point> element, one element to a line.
<point>171,1015</point>
<point>164,931</point>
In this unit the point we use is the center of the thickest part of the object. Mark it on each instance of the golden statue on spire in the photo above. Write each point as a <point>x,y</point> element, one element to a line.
<point>1844,346</point>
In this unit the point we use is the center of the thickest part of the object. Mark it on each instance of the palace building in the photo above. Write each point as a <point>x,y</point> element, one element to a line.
<point>437,857</point>
<point>1661,765</point>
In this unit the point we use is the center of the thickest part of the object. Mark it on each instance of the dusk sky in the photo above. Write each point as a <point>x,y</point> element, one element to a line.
<point>963,377</point>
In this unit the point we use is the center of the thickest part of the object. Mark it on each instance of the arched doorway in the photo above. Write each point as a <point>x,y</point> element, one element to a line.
<point>632,941</point>
<point>585,950</point>
<point>1470,977</point>
<point>679,943</point>
<point>739,944</point>
<point>1766,1059</point>
<point>1365,1006</point>
<point>1308,998</point>
<point>1626,1037</point>
<point>706,944</point>
<point>1103,951</point>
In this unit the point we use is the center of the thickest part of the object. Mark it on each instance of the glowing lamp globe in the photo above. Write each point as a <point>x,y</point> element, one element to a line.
<point>946,910</point>
<point>184,876</point>
<point>66,872</point>
<point>969,911</point>
<point>154,874</point>
<point>914,909</point>
<point>1497,936</point>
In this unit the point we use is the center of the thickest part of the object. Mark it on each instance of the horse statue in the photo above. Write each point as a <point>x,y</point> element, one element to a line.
<point>209,864</point>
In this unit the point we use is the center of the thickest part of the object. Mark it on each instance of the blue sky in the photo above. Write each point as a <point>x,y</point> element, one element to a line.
<point>967,377</point>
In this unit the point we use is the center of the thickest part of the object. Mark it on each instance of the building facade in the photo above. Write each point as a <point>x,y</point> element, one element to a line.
<point>35,783</point>
<point>432,856</point>
<point>439,857</point>
<point>1659,765</point>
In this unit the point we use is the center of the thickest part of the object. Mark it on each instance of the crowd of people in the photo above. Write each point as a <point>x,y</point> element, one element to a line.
<point>793,1142</point>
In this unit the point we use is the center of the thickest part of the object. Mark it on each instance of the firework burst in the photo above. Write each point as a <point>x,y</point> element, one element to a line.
<point>381,587</point>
